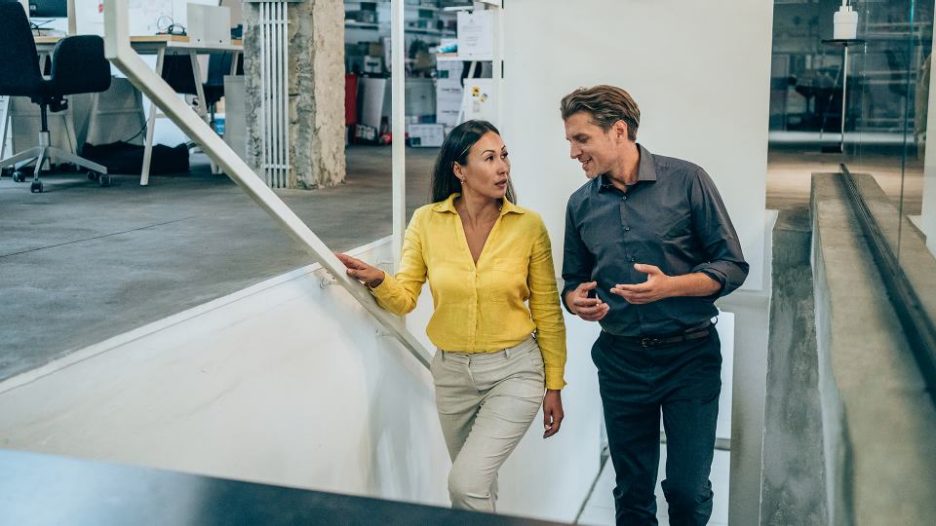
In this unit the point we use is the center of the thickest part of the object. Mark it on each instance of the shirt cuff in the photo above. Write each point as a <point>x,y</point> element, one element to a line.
<point>717,276</point>
<point>383,290</point>
<point>562,296</point>
<point>554,379</point>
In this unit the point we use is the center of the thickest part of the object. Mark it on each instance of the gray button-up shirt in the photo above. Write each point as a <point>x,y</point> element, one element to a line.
<point>672,217</point>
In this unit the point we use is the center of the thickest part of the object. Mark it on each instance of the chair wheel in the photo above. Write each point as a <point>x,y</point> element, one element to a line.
<point>36,187</point>
<point>94,176</point>
<point>104,180</point>
<point>19,176</point>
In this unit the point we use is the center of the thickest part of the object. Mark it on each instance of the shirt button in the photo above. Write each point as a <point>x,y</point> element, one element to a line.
<point>632,258</point>
<point>627,229</point>
<point>623,198</point>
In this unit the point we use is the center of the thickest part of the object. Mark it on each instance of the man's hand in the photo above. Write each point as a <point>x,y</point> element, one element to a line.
<point>552,412</point>
<point>357,269</point>
<point>658,286</point>
<point>589,309</point>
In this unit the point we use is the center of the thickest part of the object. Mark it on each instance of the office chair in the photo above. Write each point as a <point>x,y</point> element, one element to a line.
<point>78,66</point>
<point>177,72</point>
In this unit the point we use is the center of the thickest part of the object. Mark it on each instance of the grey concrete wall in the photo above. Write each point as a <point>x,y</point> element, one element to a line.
<point>316,91</point>
<point>794,475</point>
<point>878,422</point>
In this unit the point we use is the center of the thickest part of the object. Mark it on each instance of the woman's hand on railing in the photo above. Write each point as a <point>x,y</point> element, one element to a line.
<point>357,269</point>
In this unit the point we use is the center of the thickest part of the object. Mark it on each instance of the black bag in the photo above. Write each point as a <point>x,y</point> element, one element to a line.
<point>124,158</point>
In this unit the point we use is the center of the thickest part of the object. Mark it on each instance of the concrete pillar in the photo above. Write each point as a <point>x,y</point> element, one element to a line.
<point>316,91</point>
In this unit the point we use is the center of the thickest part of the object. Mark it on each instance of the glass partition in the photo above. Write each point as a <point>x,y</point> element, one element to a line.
<point>888,107</point>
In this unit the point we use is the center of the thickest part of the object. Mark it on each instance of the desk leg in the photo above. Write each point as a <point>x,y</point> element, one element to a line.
<point>844,96</point>
<point>4,123</point>
<point>200,96</point>
<point>199,86</point>
<point>151,125</point>
<point>235,58</point>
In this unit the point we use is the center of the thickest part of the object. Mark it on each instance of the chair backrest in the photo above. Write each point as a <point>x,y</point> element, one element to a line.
<point>79,66</point>
<point>219,65</point>
<point>19,61</point>
<point>177,72</point>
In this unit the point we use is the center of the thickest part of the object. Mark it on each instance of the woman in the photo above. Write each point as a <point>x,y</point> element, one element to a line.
<point>484,257</point>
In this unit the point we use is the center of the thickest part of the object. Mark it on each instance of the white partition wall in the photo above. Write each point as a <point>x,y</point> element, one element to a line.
<point>288,382</point>
<point>928,220</point>
<point>699,71</point>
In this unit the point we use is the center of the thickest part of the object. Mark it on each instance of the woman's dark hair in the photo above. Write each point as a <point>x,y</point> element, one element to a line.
<point>455,150</point>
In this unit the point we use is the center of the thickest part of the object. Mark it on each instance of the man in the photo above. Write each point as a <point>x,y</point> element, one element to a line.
<point>648,248</point>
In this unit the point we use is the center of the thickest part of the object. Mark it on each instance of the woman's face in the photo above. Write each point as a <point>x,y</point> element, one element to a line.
<point>486,169</point>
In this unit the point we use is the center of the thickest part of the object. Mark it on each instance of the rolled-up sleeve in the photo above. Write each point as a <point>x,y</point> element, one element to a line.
<point>398,294</point>
<point>577,261</point>
<point>713,229</point>
<point>545,311</point>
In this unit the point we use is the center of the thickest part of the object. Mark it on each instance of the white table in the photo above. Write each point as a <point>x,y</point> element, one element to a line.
<point>162,45</point>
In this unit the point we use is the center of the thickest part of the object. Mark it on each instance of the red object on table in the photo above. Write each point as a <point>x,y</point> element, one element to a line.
<point>350,99</point>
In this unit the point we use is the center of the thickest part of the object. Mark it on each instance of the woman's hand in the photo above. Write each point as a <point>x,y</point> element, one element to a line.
<point>357,269</point>
<point>552,412</point>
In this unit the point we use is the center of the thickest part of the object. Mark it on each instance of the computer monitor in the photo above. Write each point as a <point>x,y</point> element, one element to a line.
<point>48,8</point>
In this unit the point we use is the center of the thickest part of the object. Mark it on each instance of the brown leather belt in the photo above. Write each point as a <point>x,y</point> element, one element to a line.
<point>656,341</point>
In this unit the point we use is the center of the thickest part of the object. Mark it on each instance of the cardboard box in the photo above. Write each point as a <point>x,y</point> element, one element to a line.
<point>426,135</point>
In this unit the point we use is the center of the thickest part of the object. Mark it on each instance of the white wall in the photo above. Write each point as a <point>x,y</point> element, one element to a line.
<point>928,215</point>
<point>699,71</point>
<point>286,383</point>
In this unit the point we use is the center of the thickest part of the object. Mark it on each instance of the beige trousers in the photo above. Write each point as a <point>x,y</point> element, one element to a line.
<point>486,402</point>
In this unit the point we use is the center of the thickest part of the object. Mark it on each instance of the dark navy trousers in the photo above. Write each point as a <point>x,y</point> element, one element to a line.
<point>682,381</point>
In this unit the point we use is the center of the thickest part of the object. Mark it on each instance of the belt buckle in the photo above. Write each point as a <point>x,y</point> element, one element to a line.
<point>650,342</point>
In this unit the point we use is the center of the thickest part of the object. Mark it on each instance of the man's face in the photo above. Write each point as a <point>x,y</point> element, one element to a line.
<point>595,148</point>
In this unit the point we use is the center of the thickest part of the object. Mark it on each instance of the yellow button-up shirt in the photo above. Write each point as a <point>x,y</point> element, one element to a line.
<point>483,307</point>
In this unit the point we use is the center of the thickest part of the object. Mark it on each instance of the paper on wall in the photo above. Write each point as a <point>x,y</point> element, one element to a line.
<point>478,101</point>
<point>476,35</point>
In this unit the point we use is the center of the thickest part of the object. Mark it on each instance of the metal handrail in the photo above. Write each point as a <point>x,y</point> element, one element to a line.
<point>118,51</point>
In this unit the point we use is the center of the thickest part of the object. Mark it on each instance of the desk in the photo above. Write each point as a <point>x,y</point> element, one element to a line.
<point>161,45</point>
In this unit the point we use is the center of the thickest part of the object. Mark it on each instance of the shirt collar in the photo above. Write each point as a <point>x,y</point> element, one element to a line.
<point>646,171</point>
<point>449,206</point>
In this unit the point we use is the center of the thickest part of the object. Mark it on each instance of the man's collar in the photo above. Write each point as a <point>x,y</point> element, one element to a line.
<point>646,171</point>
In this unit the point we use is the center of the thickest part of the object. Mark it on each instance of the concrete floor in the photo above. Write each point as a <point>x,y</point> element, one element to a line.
<point>790,171</point>
<point>80,263</point>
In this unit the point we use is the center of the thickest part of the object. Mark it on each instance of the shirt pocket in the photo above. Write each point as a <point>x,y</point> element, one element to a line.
<point>677,228</point>
<point>507,279</point>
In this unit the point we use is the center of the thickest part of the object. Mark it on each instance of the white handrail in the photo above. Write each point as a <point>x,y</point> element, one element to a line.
<point>118,51</point>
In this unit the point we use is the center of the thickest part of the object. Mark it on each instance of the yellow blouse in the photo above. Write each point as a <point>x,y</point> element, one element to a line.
<point>482,308</point>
